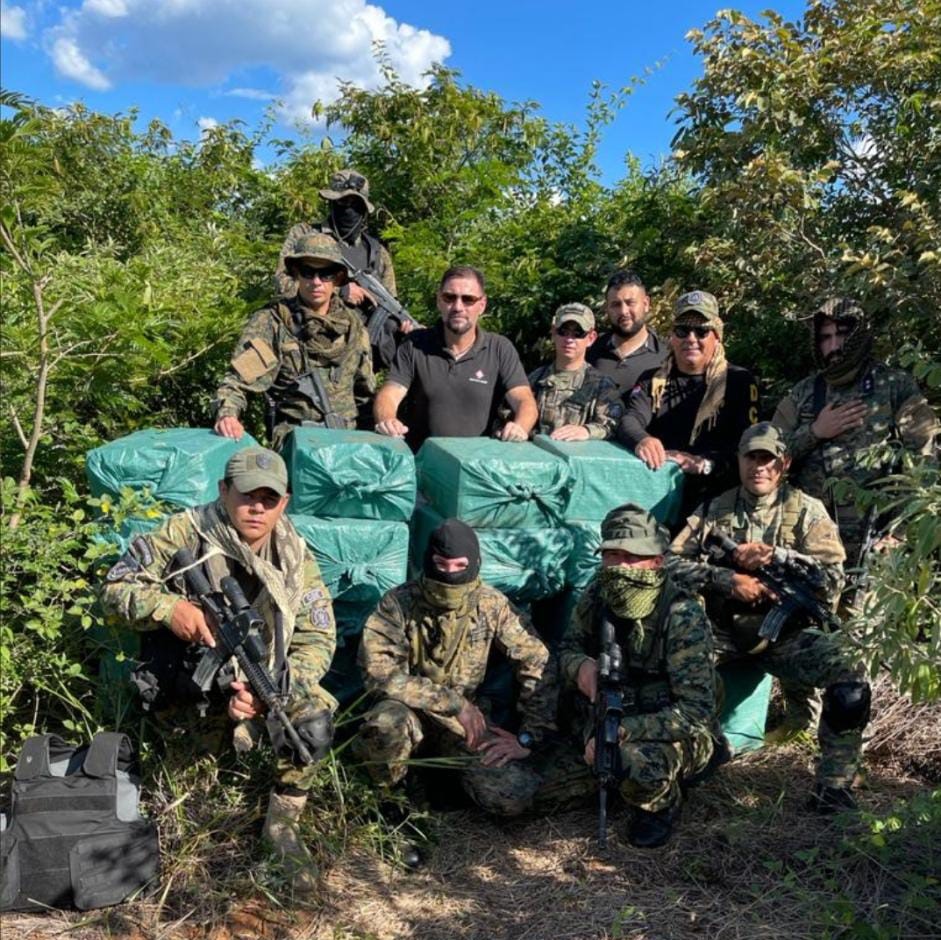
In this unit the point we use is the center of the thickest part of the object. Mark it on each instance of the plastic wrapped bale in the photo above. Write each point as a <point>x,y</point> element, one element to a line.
<point>605,475</point>
<point>359,559</point>
<point>181,466</point>
<point>350,475</point>
<point>584,559</point>
<point>120,536</point>
<point>492,484</point>
<point>747,692</point>
<point>525,564</point>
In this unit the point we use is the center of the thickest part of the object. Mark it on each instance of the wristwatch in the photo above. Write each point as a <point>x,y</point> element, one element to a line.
<point>526,739</point>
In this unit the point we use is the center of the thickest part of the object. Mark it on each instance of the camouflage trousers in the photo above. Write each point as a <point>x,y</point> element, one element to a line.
<point>393,734</point>
<point>187,734</point>
<point>652,773</point>
<point>808,660</point>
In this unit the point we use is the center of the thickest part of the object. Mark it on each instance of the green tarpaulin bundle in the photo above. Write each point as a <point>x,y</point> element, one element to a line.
<point>605,475</point>
<point>350,475</point>
<point>121,536</point>
<point>525,564</point>
<point>182,466</point>
<point>584,559</point>
<point>359,559</point>
<point>494,484</point>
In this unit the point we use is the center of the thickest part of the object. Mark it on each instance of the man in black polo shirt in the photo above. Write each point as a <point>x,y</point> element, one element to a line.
<point>454,376</point>
<point>630,347</point>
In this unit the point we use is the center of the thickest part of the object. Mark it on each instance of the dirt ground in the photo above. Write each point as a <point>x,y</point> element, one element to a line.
<point>747,861</point>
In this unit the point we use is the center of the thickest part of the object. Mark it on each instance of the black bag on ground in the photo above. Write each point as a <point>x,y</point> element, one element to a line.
<point>76,838</point>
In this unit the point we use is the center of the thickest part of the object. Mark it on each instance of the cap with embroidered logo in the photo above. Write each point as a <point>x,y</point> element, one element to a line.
<point>257,467</point>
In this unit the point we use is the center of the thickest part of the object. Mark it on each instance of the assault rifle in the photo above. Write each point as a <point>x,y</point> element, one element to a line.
<point>794,583</point>
<point>236,626</point>
<point>609,710</point>
<point>386,307</point>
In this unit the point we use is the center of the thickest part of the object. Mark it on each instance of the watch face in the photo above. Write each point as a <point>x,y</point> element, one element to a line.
<point>525,739</point>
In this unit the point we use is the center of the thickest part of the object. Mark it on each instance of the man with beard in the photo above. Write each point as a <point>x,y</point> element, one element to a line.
<point>244,535</point>
<point>348,198</point>
<point>694,407</point>
<point>575,401</point>
<point>424,656</point>
<point>666,678</point>
<point>853,402</point>
<point>308,355</point>
<point>630,348</point>
<point>773,521</point>
<point>454,376</point>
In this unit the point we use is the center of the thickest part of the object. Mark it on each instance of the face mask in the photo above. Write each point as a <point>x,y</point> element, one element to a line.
<point>445,596</point>
<point>631,593</point>
<point>348,219</point>
<point>453,539</point>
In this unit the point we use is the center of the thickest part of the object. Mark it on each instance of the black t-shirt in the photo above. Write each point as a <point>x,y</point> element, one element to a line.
<point>627,371</point>
<point>450,397</point>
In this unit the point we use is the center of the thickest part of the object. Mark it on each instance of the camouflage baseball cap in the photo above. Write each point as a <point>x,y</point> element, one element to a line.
<point>256,467</point>
<point>574,313</point>
<point>632,529</point>
<point>316,246</point>
<point>348,183</point>
<point>763,436</point>
<point>702,303</point>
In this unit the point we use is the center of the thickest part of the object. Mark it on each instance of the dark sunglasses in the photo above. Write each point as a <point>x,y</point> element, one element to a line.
<point>574,331</point>
<point>700,332</point>
<point>467,299</point>
<point>325,274</point>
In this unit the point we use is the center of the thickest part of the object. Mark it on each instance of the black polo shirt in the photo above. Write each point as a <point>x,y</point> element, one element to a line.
<point>450,397</point>
<point>625,372</point>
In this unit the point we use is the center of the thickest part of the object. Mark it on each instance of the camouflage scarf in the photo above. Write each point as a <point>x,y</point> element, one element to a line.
<point>326,338</point>
<point>443,623</point>
<point>712,401</point>
<point>631,593</point>
<point>846,365</point>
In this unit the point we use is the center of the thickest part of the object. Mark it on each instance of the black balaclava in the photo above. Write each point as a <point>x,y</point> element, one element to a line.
<point>453,539</point>
<point>348,218</point>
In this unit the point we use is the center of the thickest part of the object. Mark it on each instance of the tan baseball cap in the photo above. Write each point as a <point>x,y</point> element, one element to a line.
<point>699,306</point>
<point>255,467</point>
<point>574,313</point>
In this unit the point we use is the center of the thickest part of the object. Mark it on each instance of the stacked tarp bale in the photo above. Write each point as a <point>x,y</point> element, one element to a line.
<point>352,494</point>
<point>179,467</point>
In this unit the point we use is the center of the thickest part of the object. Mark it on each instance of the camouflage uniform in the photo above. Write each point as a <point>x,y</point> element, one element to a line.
<point>897,411</point>
<point>414,709</point>
<point>790,521</point>
<point>281,344</point>
<point>139,591</point>
<point>669,692</point>
<point>582,396</point>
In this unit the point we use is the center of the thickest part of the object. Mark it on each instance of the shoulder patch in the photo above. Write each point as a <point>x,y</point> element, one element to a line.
<point>313,595</point>
<point>126,565</point>
<point>141,550</point>
<point>320,616</point>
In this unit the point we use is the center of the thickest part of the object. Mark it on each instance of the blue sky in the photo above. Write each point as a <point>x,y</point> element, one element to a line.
<point>194,62</point>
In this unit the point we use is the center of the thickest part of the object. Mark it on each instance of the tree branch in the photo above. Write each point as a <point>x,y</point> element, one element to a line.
<point>20,433</point>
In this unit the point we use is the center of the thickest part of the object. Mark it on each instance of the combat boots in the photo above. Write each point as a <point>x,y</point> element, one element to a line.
<point>283,834</point>
<point>827,800</point>
<point>650,830</point>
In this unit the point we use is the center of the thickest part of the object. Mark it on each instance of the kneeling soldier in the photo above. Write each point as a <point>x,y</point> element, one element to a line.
<point>667,677</point>
<point>424,654</point>
<point>779,527</point>
<point>243,535</point>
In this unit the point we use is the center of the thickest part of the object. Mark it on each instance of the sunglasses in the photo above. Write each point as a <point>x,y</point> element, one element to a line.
<point>467,299</point>
<point>325,274</point>
<point>575,332</point>
<point>700,332</point>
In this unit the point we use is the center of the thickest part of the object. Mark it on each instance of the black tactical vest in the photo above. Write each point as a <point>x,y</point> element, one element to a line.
<point>75,837</point>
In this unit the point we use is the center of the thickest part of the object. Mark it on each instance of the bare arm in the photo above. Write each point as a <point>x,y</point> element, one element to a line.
<point>525,414</point>
<point>385,408</point>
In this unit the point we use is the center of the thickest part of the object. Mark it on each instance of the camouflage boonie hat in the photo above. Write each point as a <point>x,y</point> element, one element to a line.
<point>256,467</point>
<point>762,436</point>
<point>702,303</point>
<point>316,247</point>
<point>348,183</point>
<point>632,529</point>
<point>574,313</point>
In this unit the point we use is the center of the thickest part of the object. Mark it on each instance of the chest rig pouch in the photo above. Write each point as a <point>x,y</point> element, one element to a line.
<point>76,838</point>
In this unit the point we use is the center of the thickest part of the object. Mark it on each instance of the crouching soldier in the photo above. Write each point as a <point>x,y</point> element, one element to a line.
<point>424,655</point>
<point>780,530</point>
<point>246,536</point>
<point>666,677</point>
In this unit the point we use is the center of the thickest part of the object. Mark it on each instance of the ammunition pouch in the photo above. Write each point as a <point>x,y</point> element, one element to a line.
<point>164,676</point>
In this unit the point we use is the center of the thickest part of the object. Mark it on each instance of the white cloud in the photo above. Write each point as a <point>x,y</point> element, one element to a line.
<point>12,21</point>
<point>69,59</point>
<point>207,123</point>
<point>308,44</point>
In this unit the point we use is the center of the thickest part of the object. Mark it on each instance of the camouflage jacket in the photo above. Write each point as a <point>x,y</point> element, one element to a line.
<point>270,357</point>
<point>138,590</point>
<point>379,261</point>
<point>788,519</point>
<point>897,410</point>
<point>390,669</point>
<point>669,680</point>
<point>583,396</point>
